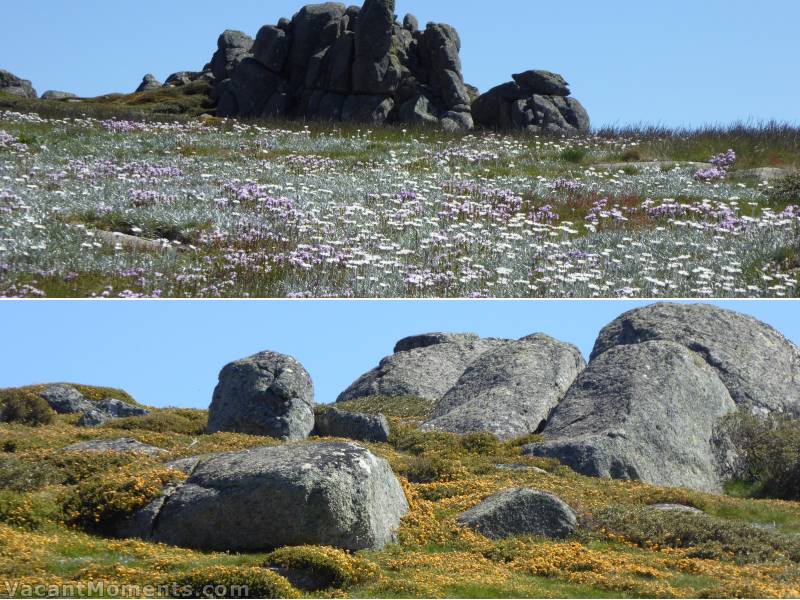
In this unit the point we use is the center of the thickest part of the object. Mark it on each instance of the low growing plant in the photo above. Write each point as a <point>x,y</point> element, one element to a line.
<point>20,406</point>
<point>231,582</point>
<point>327,567</point>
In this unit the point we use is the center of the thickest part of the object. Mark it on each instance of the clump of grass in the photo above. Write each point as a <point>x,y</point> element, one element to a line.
<point>707,537</point>
<point>770,447</point>
<point>324,567</point>
<point>18,405</point>
<point>430,469</point>
<point>98,504</point>
<point>27,511</point>
<point>786,189</point>
<point>574,155</point>
<point>38,469</point>
<point>173,420</point>
<point>403,407</point>
<point>231,582</point>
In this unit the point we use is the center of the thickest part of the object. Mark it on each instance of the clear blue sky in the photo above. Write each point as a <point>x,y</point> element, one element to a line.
<point>675,62</point>
<point>170,353</point>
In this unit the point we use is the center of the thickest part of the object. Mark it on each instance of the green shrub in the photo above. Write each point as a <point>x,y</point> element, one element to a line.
<point>324,566</point>
<point>708,537</point>
<point>574,155</point>
<point>770,447</point>
<point>20,406</point>
<point>484,444</point>
<point>786,189</point>
<point>26,510</point>
<point>101,502</point>
<point>35,470</point>
<point>428,469</point>
<point>231,582</point>
<point>184,421</point>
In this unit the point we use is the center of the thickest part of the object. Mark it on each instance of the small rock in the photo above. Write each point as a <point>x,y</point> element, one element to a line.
<point>677,508</point>
<point>56,95</point>
<point>761,174</point>
<point>115,445</point>
<point>521,511</point>
<point>332,422</point>
<point>65,399</point>
<point>149,83</point>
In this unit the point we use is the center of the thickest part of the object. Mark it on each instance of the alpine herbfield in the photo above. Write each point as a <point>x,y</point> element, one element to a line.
<point>205,207</point>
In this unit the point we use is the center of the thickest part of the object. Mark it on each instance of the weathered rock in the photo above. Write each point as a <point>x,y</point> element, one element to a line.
<point>536,102</point>
<point>116,445</point>
<point>510,390</point>
<point>149,83</point>
<point>647,411</point>
<point>367,109</point>
<point>760,174</point>
<point>332,422</point>
<point>182,78</point>
<point>521,511</point>
<point>314,28</point>
<point>758,365</point>
<point>411,23</point>
<point>65,399</point>
<point>232,48</point>
<point>422,366</point>
<point>331,494</point>
<point>131,242</point>
<point>266,394</point>
<point>271,48</point>
<point>57,95</point>
<point>335,63</point>
<point>11,84</point>
<point>677,508</point>
<point>376,69</point>
<point>111,408</point>
<point>542,82</point>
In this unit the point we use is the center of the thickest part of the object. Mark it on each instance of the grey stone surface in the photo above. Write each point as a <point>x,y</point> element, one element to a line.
<point>266,394</point>
<point>332,422</point>
<point>422,366</point>
<point>537,101</point>
<point>232,48</point>
<point>521,511</point>
<point>760,174</point>
<point>16,86</point>
<point>758,365</point>
<point>376,69</point>
<point>542,82</point>
<point>115,445</point>
<point>509,390</point>
<point>109,409</point>
<point>678,508</point>
<point>57,95</point>
<point>410,23</point>
<point>330,493</point>
<point>647,411</point>
<point>149,83</point>
<point>350,64</point>
<point>65,399</point>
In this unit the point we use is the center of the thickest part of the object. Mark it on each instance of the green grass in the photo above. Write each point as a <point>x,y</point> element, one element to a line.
<point>402,407</point>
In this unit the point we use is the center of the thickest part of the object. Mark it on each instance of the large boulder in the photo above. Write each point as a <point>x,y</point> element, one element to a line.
<point>11,84</point>
<point>251,92</point>
<point>758,365</point>
<point>57,95</point>
<point>232,48</point>
<point>65,399</point>
<point>648,411</point>
<point>330,494</point>
<point>376,68</point>
<point>332,422</point>
<point>314,28</point>
<point>149,83</point>
<point>521,511</point>
<point>424,366</point>
<point>271,48</point>
<point>267,394</point>
<point>510,390</point>
<point>536,101</point>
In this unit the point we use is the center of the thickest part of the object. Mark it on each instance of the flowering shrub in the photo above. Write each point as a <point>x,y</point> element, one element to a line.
<point>326,567</point>
<point>722,163</point>
<point>21,406</point>
<point>99,503</point>
<point>231,582</point>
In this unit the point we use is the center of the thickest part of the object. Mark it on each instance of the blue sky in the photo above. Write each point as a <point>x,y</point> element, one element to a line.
<point>170,353</point>
<point>672,62</point>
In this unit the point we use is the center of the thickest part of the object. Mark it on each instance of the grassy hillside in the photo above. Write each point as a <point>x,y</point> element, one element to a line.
<point>53,503</point>
<point>270,209</point>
